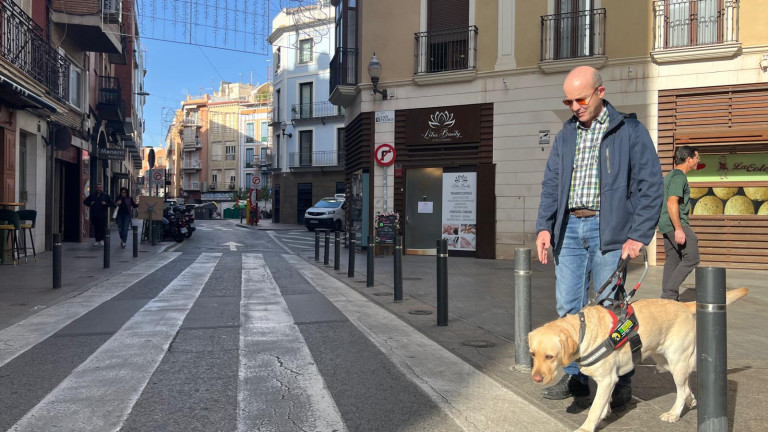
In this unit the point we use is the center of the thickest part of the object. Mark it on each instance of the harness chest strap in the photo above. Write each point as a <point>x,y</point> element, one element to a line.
<point>622,332</point>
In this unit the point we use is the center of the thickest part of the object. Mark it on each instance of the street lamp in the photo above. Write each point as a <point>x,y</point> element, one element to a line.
<point>283,126</point>
<point>374,71</point>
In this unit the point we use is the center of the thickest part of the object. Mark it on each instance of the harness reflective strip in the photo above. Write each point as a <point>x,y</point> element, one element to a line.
<point>607,346</point>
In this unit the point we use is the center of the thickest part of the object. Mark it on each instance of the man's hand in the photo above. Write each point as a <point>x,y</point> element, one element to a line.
<point>631,248</point>
<point>542,244</point>
<point>679,236</point>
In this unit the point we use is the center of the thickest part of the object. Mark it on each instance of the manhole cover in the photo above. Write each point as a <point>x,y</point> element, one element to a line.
<point>382,294</point>
<point>478,344</point>
<point>420,312</point>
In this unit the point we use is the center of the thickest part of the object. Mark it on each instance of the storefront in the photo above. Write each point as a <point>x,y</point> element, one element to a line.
<point>729,193</point>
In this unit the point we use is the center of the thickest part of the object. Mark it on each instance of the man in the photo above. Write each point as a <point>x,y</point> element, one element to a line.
<point>600,201</point>
<point>99,204</point>
<point>680,242</point>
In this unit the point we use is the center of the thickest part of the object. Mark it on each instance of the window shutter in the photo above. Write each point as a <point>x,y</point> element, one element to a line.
<point>447,14</point>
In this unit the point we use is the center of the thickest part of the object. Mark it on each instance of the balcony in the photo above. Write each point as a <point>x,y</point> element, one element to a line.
<point>253,163</point>
<point>110,105</point>
<point>451,52</point>
<point>191,186</point>
<point>274,115</point>
<point>192,165</point>
<point>344,77</point>
<point>311,160</point>
<point>317,110</point>
<point>572,39</point>
<point>24,46</point>
<point>93,25</point>
<point>685,30</point>
<point>192,145</point>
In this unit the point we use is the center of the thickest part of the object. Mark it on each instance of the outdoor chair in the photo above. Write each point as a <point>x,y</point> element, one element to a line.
<point>28,218</point>
<point>11,224</point>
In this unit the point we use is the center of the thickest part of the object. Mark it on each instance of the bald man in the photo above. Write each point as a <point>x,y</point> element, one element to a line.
<point>600,201</point>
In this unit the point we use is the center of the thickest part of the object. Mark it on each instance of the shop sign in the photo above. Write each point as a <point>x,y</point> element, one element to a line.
<point>460,210</point>
<point>111,153</point>
<point>730,168</point>
<point>456,124</point>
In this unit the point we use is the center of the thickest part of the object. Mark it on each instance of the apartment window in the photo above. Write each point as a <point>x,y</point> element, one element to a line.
<point>75,87</point>
<point>159,161</point>
<point>249,155</point>
<point>229,151</point>
<point>248,179</point>
<point>305,148</point>
<point>692,22</point>
<point>264,127</point>
<point>305,100</point>
<point>250,133</point>
<point>214,179</point>
<point>232,180</point>
<point>216,152</point>
<point>305,51</point>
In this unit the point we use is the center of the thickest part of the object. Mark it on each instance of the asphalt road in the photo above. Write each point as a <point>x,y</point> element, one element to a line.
<point>231,331</point>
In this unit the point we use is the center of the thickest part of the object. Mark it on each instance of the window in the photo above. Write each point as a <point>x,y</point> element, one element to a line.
<point>250,134</point>
<point>230,152</point>
<point>305,100</point>
<point>159,161</point>
<point>692,22</point>
<point>216,149</point>
<point>249,157</point>
<point>305,148</point>
<point>214,180</point>
<point>305,51</point>
<point>276,60</point>
<point>340,146</point>
<point>216,120</point>
<point>75,87</point>
<point>263,154</point>
<point>264,127</point>
<point>248,179</point>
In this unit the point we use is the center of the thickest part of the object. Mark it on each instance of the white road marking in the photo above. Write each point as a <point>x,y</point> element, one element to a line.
<point>472,399</point>
<point>275,238</point>
<point>100,393</point>
<point>279,385</point>
<point>22,336</point>
<point>232,245</point>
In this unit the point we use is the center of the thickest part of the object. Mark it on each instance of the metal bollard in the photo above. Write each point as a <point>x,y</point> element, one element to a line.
<point>325,247</point>
<point>369,271</point>
<point>317,245</point>
<point>106,249</point>
<point>398,257</point>
<point>352,246</point>
<point>711,350</point>
<point>135,241</point>
<point>522,306</point>
<point>336,250</point>
<point>56,261</point>
<point>442,282</point>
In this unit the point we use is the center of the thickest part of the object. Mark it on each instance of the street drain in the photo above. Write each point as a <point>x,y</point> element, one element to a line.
<point>478,344</point>
<point>382,294</point>
<point>420,312</point>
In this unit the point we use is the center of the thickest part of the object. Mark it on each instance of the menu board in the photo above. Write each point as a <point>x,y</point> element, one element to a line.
<point>386,228</point>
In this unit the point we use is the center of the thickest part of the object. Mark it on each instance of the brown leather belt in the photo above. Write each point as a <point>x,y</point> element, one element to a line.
<point>583,213</point>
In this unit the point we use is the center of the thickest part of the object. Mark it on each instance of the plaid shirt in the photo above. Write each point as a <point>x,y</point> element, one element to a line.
<point>585,180</point>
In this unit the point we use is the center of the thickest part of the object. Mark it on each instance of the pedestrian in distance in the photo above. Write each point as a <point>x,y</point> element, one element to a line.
<point>600,202</point>
<point>99,203</point>
<point>681,246</point>
<point>125,205</point>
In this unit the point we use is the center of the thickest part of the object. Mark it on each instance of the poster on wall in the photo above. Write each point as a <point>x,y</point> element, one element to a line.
<point>460,210</point>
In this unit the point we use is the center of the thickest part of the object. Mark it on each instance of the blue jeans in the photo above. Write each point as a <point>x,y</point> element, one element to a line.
<point>123,225</point>
<point>578,258</point>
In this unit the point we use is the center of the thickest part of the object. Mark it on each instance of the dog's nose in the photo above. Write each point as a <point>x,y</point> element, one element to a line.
<point>538,378</point>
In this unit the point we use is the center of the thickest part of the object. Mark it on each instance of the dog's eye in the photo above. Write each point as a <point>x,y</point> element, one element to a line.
<point>549,357</point>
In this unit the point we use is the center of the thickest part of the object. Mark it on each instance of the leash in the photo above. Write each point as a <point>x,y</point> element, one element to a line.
<point>617,288</point>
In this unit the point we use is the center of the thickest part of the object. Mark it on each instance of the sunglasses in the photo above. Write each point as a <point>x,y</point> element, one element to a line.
<point>580,101</point>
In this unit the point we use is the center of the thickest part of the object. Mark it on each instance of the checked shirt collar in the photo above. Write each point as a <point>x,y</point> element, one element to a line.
<point>585,180</point>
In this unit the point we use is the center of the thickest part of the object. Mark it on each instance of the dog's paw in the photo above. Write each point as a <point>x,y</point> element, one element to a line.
<point>670,417</point>
<point>691,401</point>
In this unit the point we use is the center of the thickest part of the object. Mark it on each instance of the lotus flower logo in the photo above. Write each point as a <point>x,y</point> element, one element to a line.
<point>441,120</point>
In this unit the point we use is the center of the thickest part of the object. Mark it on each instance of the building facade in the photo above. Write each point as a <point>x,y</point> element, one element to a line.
<point>476,102</point>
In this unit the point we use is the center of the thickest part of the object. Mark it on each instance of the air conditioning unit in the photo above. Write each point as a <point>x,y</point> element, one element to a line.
<point>213,186</point>
<point>232,186</point>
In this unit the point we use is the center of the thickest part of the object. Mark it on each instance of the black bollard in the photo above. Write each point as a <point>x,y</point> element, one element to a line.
<point>398,257</point>
<point>56,261</point>
<point>442,282</point>
<point>317,245</point>
<point>106,249</point>
<point>135,241</point>
<point>352,246</point>
<point>522,306</point>
<point>711,350</point>
<point>325,247</point>
<point>369,270</point>
<point>336,250</point>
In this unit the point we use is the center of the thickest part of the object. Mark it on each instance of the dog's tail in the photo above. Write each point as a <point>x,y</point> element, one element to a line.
<point>730,297</point>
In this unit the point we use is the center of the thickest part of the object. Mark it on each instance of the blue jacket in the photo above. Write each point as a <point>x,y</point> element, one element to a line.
<point>631,184</point>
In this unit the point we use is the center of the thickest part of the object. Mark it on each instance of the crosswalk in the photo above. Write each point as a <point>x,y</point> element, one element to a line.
<point>291,364</point>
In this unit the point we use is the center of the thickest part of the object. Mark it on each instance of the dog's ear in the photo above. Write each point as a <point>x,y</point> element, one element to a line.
<point>568,347</point>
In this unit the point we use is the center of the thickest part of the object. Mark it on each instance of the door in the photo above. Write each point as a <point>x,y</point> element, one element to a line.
<point>305,148</point>
<point>423,210</point>
<point>305,100</point>
<point>303,201</point>
<point>276,203</point>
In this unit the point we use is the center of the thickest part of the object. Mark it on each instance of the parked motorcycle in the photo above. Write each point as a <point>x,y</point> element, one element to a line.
<point>172,226</point>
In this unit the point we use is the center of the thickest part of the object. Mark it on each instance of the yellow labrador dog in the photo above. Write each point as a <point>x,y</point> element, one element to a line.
<point>668,332</point>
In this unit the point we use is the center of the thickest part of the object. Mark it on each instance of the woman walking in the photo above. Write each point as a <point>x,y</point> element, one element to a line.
<point>124,204</point>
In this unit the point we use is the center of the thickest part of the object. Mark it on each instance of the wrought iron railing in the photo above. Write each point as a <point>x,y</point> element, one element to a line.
<point>109,90</point>
<point>23,45</point>
<point>445,50</point>
<point>573,35</point>
<point>315,110</point>
<point>274,114</point>
<point>191,185</point>
<point>344,68</point>
<point>685,23</point>
<point>316,159</point>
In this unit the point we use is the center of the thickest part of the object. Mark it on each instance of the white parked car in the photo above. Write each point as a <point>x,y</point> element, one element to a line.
<point>328,213</point>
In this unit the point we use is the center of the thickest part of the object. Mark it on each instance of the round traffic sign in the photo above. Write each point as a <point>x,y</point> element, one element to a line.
<point>157,175</point>
<point>255,180</point>
<point>385,154</point>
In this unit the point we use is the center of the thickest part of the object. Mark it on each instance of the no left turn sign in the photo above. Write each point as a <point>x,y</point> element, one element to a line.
<point>385,154</point>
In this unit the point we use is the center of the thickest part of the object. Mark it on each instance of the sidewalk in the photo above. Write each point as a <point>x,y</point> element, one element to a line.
<point>481,332</point>
<point>82,266</point>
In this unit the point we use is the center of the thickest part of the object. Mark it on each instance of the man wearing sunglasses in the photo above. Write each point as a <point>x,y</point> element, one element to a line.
<point>600,201</point>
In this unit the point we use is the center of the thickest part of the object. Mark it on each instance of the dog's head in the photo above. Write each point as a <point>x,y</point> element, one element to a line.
<point>550,346</point>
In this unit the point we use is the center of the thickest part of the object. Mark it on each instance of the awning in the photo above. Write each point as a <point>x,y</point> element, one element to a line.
<point>28,99</point>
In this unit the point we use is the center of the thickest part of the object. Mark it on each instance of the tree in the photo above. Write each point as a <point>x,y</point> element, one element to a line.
<point>265,194</point>
<point>240,194</point>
